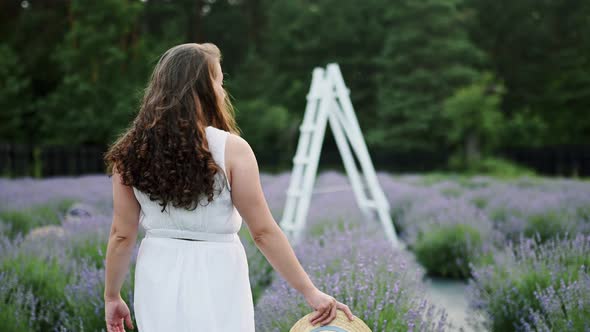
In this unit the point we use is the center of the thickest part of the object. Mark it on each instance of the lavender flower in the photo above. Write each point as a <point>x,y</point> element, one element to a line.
<point>358,267</point>
<point>565,307</point>
<point>505,290</point>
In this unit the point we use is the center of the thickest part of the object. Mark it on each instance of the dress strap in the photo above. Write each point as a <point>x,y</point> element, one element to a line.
<point>217,139</point>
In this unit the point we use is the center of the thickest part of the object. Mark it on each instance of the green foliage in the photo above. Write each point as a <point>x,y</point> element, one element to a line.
<point>451,192</point>
<point>296,37</point>
<point>475,109</point>
<point>85,301</point>
<point>14,94</point>
<point>583,212</point>
<point>526,285</point>
<point>434,177</point>
<point>102,65</point>
<point>545,226</point>
<point>566,308</point>
<point>323,227</point>
<point>473,117</point>
<point>425,57</point>
<point>548,223</point>
<point>506,286</point>
<point>525,128</point>
<point>479,202</point>
<point>23,221</point>
<point>447,250</point>
<point>17,304</point>
<point>43,276</point>
<point>265,124</point>
<point>88,247</point>
<point>538,51</point>
<point>80,80</point>
<point>264,127</point>
<point>301,35</point>
<point>492,166</point>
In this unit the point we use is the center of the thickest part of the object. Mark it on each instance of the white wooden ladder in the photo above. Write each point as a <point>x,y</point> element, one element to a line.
<point>328,101</point>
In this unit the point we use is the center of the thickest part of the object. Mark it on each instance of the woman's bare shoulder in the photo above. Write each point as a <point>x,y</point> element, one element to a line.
<point>237,150</point>
<point>237,144</point>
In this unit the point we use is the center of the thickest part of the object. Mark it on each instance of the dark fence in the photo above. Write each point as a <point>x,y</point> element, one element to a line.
<point>17,160</point>
<point>552,160</point>
<point>59,160</point>
<point>392,161</point>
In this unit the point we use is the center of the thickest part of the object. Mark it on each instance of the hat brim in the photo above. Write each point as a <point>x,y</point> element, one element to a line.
<point>340,324</point>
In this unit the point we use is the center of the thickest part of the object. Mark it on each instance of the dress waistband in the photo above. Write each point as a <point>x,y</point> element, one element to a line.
<point>180,233</point>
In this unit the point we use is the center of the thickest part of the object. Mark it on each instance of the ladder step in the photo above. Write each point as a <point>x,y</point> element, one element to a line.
<point>293,193</point>
<point>332,189</point>
<point>371,204</point>
<point>298,160</point>
<point>306,128</point>
<point>313,96</point>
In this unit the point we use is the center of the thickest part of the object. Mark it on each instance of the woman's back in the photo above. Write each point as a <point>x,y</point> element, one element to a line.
<point>184,285</point>
<point>217,219</point>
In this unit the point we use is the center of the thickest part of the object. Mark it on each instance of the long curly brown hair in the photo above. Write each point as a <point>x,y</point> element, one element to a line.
<point>164,152</point>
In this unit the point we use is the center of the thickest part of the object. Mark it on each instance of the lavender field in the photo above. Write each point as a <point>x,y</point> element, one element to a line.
<point>519,250</point>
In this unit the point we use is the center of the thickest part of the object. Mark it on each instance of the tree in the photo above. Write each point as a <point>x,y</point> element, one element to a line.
<point>301,35</point>
<point>540,48</point>
<point>14,92</point>
<point>102,62</point>
<point>473,118</point>
<point>426,56</point>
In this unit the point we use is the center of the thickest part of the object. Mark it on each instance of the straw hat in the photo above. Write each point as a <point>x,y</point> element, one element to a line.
<point>339,324</point>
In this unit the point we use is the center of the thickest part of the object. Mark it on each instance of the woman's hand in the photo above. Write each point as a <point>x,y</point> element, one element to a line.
<point>325,306</point>
<point>116,311</point>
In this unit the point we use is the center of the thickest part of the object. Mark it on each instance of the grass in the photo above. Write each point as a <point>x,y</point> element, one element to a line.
<point>23,221</point>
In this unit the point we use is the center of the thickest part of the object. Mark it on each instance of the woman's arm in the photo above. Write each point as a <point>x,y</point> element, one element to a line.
<point>248,198</point>
<point>122,237</point>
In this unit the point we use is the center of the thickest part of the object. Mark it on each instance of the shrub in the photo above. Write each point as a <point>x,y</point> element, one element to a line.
<point>474,182</point>
<point>23,221</point>
<point>402,197</point>
<point>90,248</point>
<point>563,308</point>
<point>451,192</point>
<point>479,202</point>
<point>19,305</point>
<point>322,227</point>
<point>63,277</point>
<point>380,285</point>
<point>547,225</point>
<point>45,280</point>
<point>449,234</point>
<point>499,167</point>
<point>448,250</point>
<point>85,297</point>
<point>505,289</point>
<point>548,208</point>
<point>87,239</point>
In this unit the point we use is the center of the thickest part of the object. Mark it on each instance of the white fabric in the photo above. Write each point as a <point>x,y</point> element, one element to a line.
<point>193,286</point>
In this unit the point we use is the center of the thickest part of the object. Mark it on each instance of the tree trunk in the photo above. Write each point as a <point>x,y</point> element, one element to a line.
<point>254,21</point>
<point>195,20</point>
<point>472,152</point>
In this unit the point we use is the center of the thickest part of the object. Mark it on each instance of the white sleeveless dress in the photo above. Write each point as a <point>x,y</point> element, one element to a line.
<point>186,285</point>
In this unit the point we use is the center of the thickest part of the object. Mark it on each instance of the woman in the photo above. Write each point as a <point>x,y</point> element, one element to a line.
<point>183,148</point>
